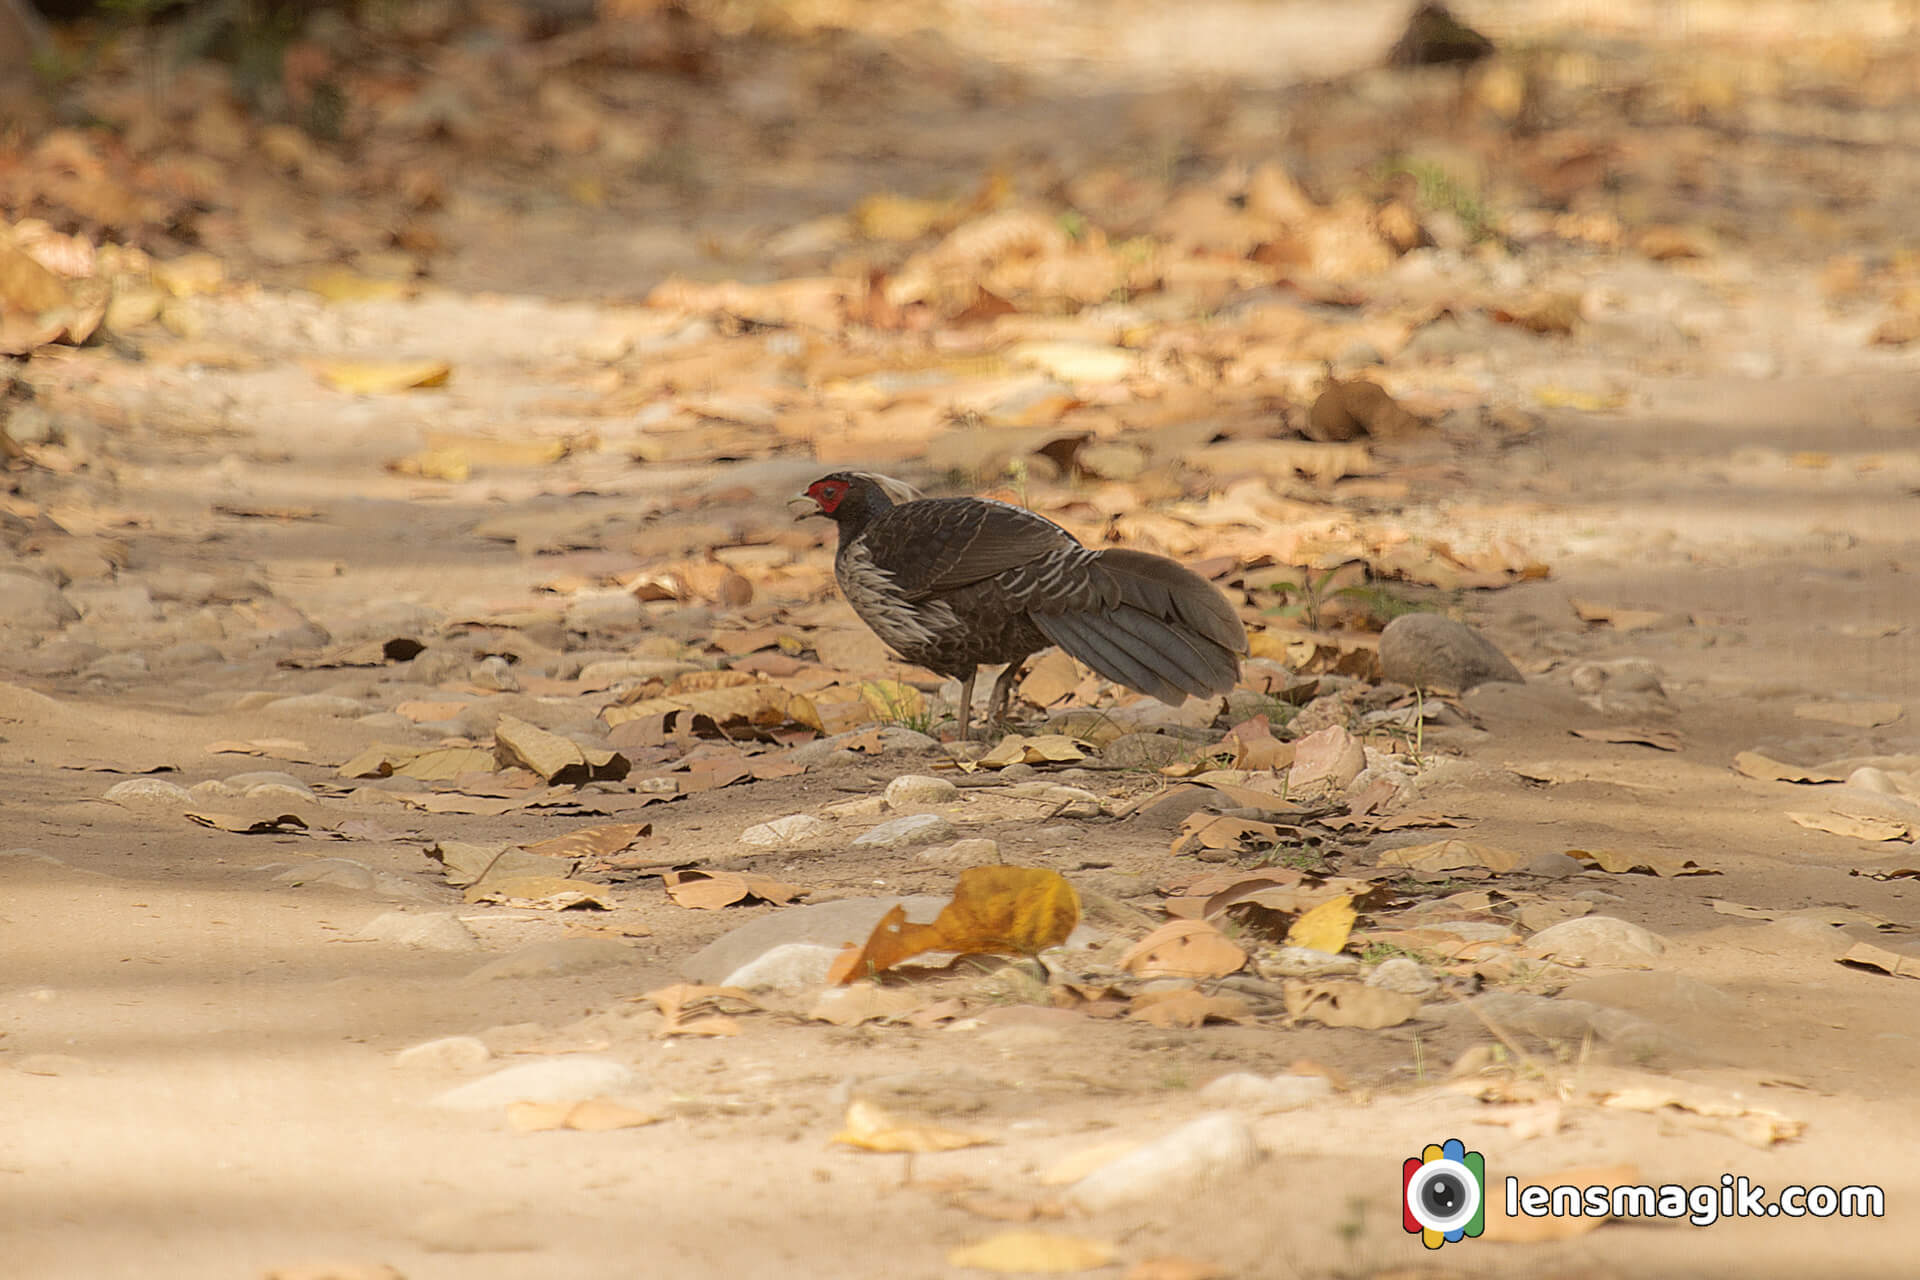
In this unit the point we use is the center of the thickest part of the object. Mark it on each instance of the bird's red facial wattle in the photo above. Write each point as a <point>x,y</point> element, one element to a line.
<point>828,494</point>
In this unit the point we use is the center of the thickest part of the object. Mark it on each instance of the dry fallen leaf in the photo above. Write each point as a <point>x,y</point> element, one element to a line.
<point>712,890</point>
<point>872,1128</point>
<point>595,1115</point>
<point>1867,956</point>
<point>591,842</point>
<point>1854,826</point>
<point>1325,927</point>
<point>378,377</point>
<point>1453,855</point>
<point>1184,949</point>
<point>1858,715</point>
<point>1033,1253</point>
<point>1616,862</point>
<point>1658,739</point>
<point>1349,1004</point>
<point>1048,748</point>
<point>1767,769</point>
<point>999,910</point>
<point>1617,618</point>
<point>1185,1009</point>
<point>545,893</point>
<point>559,760</point>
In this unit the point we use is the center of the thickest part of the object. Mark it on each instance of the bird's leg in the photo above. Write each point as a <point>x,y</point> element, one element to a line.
<point>1003,691</point>
<point>966,700</point>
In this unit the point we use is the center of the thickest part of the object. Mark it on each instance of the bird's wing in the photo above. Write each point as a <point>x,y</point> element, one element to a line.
<point>942,544</point>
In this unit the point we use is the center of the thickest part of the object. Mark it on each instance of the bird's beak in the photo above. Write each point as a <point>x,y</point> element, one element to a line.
<point>800,506</point>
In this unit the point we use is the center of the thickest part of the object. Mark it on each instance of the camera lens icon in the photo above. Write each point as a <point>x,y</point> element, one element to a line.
<point>1444,1193</point>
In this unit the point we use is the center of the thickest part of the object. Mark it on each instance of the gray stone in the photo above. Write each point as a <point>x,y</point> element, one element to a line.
<point>608,611</point>
<point>912,791</point>
<point>32,604</point>
<point>245,782</point>
<point>1305,962</point>
<point>188,653</point>
<point>1597,940</point>
<point>1554,866</point>
<point>318,704</point>
<point>795,831</point>
<point>975,851</point>
<point>557,958</point>
<point>1141,751</point>
<point>448,1053</point>
<point>149,793</point>
<point>1210,1149</point>
<point>902,833</point>
<point>494,673</point>
<point>1429,651</point>
<point>1623,686</point>
<point>1249,1092</point>
<point>439,931</point>
<point>1408,977</point>
<point>827,924</point>
<point>117,666</point>
<point>568,1078</point>
<point>791,966</point>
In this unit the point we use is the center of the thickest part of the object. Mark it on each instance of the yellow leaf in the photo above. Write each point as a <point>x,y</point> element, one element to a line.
<point>337,284</point>
<point>1048,748</point>
<point>871,1128</point>
<point>1033,1253</point>
<point>1184,949</point>
<point>378,377</point>
<point>995,910</point>
<point>1325,928</point>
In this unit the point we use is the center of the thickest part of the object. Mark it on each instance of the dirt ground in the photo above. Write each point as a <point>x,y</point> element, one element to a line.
<point>1717,465</point>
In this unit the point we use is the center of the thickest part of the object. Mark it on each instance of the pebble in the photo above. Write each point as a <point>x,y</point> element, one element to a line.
<point>1430,651</point>
<point>1407,976</point>
<point>32,604</point>
<point>1554,866</point>
<point>149,793</point>
<point>566,1078</point>
<point>975,851</point>
<point>448,1053</point>
<point>1304,962</point>
<point>494,673</point>
<point>791,966</point>
<point>555,958</point>
<point>1597,940</point>
<point>915,791</point>
<point>1200,1151</point>
<point>1245,1090</point>
<point>795,831</point>
<point>901,833</point>
<point>440,931</point>
<point>318,704</point>
<point>609,611</point>
<point>1138,751</point>
<point>1624,686</point>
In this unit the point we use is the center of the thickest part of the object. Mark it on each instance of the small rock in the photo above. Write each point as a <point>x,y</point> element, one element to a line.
<point>791,966</point>
<point>439,931</point>
<point>901,833</point>
<point>1554,866</point>
<point>608,611</point>
<point>1597,940</point>
<point>1138,751</point>
<point>858,807</point>
<point>975,851</point>
<point>1251,1092</point>
<point>1429,651</point>
<point>1624,686</point>
<point>116,666</point>
<point>1304,962</point>
<point>911,791</point>
<point>795,831</point>
<point>1018,772</point>
<point>568,1078</point>
<point>1208,1149</point>
<point>32,604</point>
<point>494,673</point>
<point>448,1053</point>
<point>148,793</point>
<point>1407,976</point>
<point>556,958</point>
<point>318,704</point>
<point>1330,758</point>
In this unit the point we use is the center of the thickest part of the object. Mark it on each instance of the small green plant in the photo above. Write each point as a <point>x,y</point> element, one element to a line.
<point>1304,598</point>
<point>1437,189</point>
<point>1375,952</point>
<point>1300,857</point>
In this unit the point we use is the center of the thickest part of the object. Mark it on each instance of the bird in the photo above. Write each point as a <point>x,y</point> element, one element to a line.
<point>951,584</point>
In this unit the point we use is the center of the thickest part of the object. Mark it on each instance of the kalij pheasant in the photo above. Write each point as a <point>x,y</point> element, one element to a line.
<point>951,583</point>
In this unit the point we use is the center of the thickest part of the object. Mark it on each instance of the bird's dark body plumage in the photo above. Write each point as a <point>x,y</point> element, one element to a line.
<point>954,583</point>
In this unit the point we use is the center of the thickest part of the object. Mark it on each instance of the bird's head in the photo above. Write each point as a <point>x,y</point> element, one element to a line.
<point>850,497</point>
